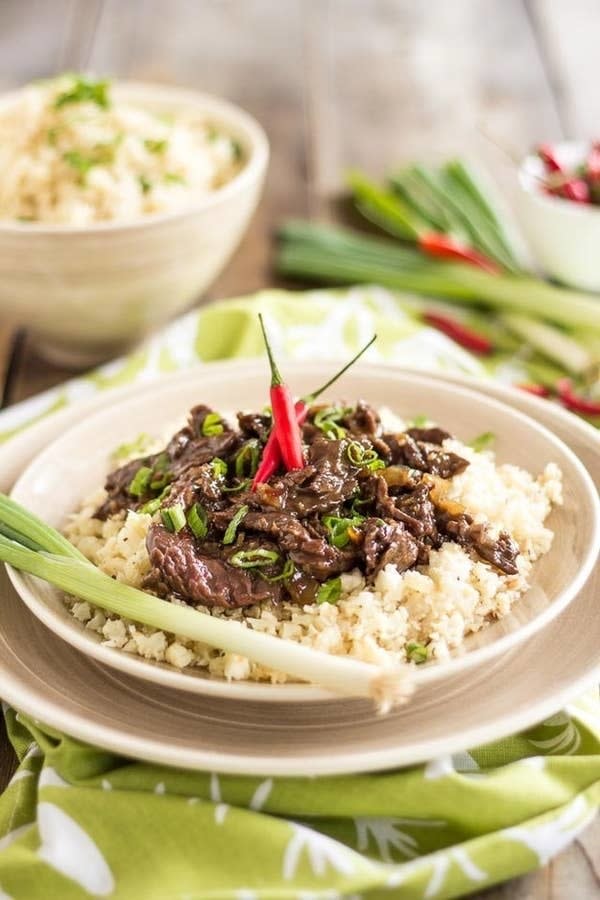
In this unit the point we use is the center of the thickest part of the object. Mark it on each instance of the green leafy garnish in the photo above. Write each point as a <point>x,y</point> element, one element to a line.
<point>253,559</point>
<point>173,518</point>
<point>197,519</point>
<point>327,420</point>
<point>338,529</point>
<point>85,90</point>
<point>363,457</point>
<point>136,447</point>
<point>157,147</point>
<point>330,591</point>
<point>219,467</point>
<point>247,459</point>
<point>145,184</point>
<point>482,441</point>
<point>140,481</point>
<point>231,531</point>
<point>416,652</point>
<point>212,425</point>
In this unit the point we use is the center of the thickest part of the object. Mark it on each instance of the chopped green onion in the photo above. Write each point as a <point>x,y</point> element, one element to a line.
<point>174,178</point>
<point>137,447</point>
<point>160,476</point>
<point>419,421</point>
<point>145,184</point>
<point>247,459</point>
<point>416,652</point>
<point>173,517</point>
<point>287,572</point>
<point>140,481</point>
<point>197,519</point>
<point>253,559</point>
<point>230,533</point>
<point>338,529</point>
<point>212,425</point>
<point>482,441</point>
<point>363,457</point>
<point>151,506</point>
<point>82,164</point>
<point>330,591</point>
<point>85,91</point>
<point>327,421</point>
<point>219,467</point>
<point>157,147</point>
<point>236,488</point>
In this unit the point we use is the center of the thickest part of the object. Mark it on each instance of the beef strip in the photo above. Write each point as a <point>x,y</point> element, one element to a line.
<point>181,567</point>
<point>327,480</point>
<point>430,435</point>
<point>185,453</point>
<point>388,543</point>
<point>309,551</point>
<point>363,421</point>
<point>255,425</point>
<point>405,450</point>
<point>501,551</point>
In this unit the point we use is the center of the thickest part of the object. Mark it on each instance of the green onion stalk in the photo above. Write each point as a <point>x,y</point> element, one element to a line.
<point>30,545</point>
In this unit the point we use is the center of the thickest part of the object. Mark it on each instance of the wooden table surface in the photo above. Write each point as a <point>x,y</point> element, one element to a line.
<point>336,83</point>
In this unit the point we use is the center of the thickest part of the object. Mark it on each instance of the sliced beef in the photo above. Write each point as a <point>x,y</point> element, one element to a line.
<point>388,543</point>
<point>116,486</point>
<point>308,551</point>
<point>405,450</point>
<point>180,567</point>
<point>501,551</point>
<point>432,435</point>
<point>257,425</point>
<point>363,421</point>
<point>323,484</point>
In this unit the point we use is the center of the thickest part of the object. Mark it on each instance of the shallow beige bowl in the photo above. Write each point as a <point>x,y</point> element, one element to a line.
<point>87,293</point>
<point>73,466</point>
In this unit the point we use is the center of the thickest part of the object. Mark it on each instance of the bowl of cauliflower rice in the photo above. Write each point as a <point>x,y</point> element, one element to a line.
<point>430,529</point>
<point>119,204</point>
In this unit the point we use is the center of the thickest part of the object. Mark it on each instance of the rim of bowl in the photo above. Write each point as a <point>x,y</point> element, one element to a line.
<point>299,691</point>
<point>527,183</point>
<point>236,119</point>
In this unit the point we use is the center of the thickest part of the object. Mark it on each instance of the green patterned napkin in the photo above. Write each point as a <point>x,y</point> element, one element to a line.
<point>77,822</point>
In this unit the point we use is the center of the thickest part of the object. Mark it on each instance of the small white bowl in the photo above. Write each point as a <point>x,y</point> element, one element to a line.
<point>87,293</point>
<point>564,236</point>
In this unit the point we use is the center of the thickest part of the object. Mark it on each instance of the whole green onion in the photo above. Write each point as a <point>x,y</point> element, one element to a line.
<point>62,565</point>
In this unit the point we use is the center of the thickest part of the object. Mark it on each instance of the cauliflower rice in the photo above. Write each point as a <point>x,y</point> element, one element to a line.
<point>436,605</point>
<point>70,154</point>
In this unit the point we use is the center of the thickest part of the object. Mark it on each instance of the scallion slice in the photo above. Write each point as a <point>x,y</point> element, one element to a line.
<point>235,488</point>
<point>416,652</point>
<point>253,559</point>
<point>231,531</point>
<point>287,572</point>
<point>363,457</point>
<point>247,459</point>
<point>197,520</point>
<point>483,441</point>
<point>140,481</point>
<point>330,591</point>
<point>173,517</point>
<point>338,529</point>
<point>327,420</point>
<point>219,467</point>
<point>212,425</point>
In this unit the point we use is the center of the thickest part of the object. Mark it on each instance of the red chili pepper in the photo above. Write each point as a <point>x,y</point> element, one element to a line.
<point>271,455</point>
<point>284,415</point>
<point>546,154</point>
<point>466,337</point>
<point>593,162</point>
<point>531,387</point>
<point>575,402</point>
<point>444,247</point>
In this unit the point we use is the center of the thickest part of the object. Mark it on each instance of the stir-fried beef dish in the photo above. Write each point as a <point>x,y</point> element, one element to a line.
<point>365,499</point>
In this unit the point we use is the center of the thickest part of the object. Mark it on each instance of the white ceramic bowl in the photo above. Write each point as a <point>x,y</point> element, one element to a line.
<point>87,293</point>
<point>564,237</point>
<point>72,467</point>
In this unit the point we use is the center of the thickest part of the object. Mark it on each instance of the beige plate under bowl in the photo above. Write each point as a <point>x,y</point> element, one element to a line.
<point>50,680</point>
<point>75,464</point>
